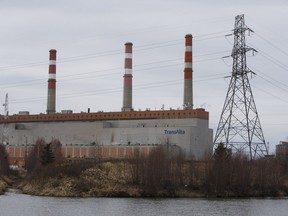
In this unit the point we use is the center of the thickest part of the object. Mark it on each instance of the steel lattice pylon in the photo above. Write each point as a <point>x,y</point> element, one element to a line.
<point>239,128</point>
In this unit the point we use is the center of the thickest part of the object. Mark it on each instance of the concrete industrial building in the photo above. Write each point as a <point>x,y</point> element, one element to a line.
<point>112,134</point>
<point>282,150</point>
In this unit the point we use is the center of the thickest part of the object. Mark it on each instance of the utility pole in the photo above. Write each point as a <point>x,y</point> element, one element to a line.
<point>239,128</point>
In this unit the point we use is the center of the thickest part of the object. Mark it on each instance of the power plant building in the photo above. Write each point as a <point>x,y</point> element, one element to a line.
<point>113,134</point>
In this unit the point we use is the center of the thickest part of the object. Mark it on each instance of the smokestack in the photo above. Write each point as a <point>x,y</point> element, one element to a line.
<point>127,91</point>
<point>188,84</point>
<point>51,99</point>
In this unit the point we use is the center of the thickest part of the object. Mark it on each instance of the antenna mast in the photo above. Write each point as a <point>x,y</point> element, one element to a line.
<point>6,109</point>
<point>239,127</point>
<point>5,125</point>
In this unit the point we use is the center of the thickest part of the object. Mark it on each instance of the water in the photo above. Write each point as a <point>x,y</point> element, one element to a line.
<point>13,203</point>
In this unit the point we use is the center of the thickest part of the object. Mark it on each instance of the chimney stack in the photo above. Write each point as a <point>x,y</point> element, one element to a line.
<point>51,98</point>
<point>188,74</point>
<point>127,91</point>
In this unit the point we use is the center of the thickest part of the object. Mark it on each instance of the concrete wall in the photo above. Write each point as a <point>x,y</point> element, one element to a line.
<point>192,135</point>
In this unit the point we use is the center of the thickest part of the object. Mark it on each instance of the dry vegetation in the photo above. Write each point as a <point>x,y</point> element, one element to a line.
<point>3,186</point>
<point>4,169</point>
<point>157,175</point>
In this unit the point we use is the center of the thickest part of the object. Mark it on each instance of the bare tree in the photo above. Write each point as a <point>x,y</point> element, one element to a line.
<point>267,178</point>
<point>135,166</point>
<point>240,174</point>
<point>156,173</point>
<point>4,160</point>
<point>43,153</point>
<point>33,161</point>
<point>218,179</point>
<point>56,150</point>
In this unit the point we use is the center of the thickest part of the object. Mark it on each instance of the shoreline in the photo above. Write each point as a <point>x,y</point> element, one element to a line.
<point>188,195</point>
<point>53,188</point>
<point>147,179</point>
<point>131,192</point>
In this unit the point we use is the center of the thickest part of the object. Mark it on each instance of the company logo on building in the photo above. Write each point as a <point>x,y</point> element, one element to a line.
<point>172,132</point>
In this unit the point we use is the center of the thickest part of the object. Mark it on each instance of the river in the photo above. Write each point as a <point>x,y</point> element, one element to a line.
<point>17,204</point>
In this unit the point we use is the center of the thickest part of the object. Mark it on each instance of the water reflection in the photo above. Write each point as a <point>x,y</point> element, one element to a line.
<point>14,203</point>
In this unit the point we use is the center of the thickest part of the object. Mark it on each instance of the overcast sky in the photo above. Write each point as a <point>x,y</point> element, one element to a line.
<point>89,37</point>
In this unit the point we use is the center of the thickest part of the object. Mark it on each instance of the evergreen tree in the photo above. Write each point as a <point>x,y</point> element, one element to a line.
<point>219,175</point>
<point>47,155</point>
<point>222,153</point>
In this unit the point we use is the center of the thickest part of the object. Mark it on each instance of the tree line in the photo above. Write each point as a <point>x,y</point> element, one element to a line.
<point>162,173</point>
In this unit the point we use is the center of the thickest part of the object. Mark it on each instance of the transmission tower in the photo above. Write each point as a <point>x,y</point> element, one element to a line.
<point>5,138</point>
<point>239,127</point>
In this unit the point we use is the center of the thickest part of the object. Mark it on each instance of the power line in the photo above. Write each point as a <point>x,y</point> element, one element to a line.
<point>268,81</point>
<point>119,89</point>
<point>272,59</point>
<point>113,52</point>
<point>63,78</point>
<point>270,78</point>
<point>269,93</point>
<point>272,44</point>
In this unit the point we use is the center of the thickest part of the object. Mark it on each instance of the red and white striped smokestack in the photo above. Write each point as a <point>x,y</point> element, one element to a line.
<point>188,74</point>
<point>51,98</point>
<point>127,91</point>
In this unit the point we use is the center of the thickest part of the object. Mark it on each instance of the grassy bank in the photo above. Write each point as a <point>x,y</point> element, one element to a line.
<point>79,180</point>
<point>160,174</point>
<point>5,183</point>
<point>108,179</point>
<point>120,179</point>
<point>3,186</point>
